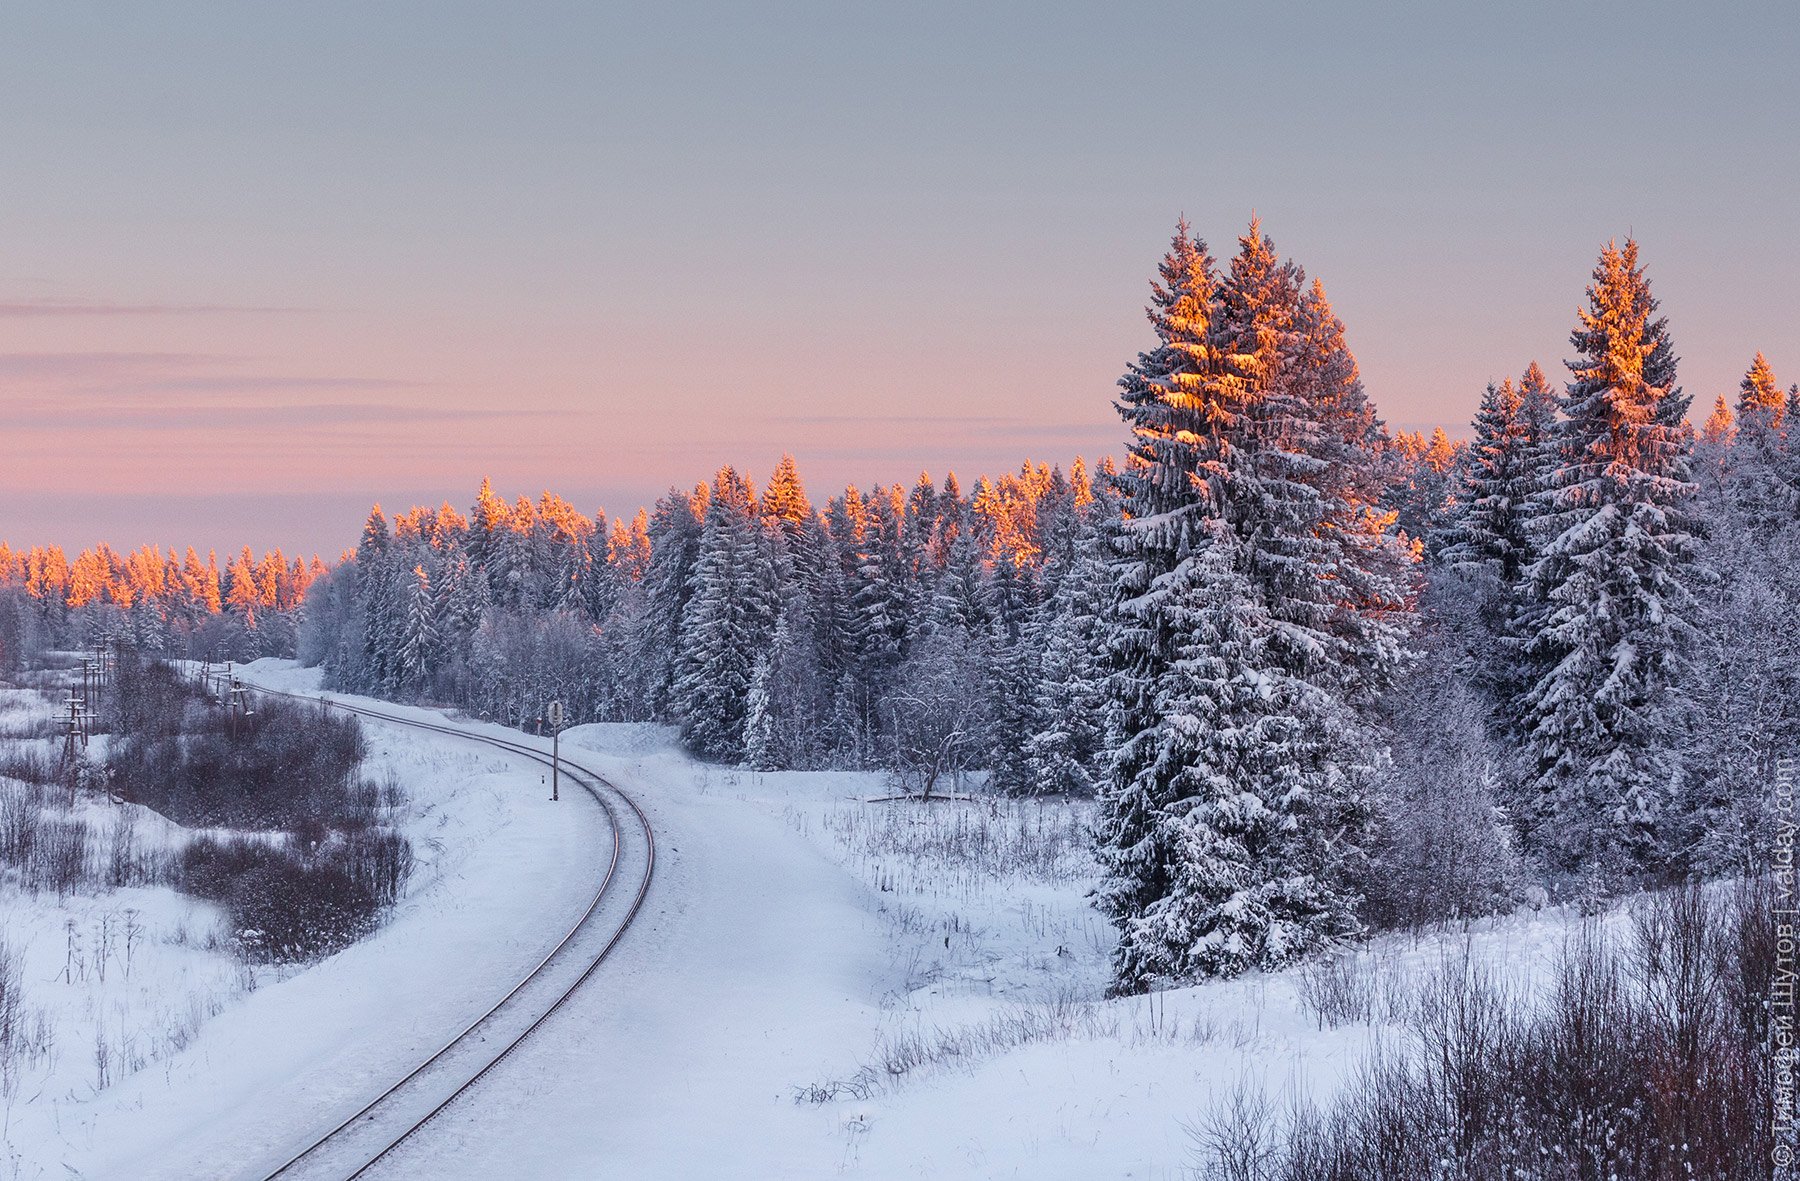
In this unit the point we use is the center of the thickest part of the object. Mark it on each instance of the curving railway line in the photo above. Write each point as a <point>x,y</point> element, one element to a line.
<point>357,1143</point>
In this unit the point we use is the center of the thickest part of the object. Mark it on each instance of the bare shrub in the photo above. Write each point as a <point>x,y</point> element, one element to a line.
<point>28,762</point>
<point>1463,1019</point>
<point>287,767</point>
<point>21,820</point>
<point>1239,1140</point>
<point>124,867</point>
<point>955,845</point>
<point>1353,987</point>
<point>1443,848</point>
<point>60,857</point>
<point>390,794</point>
<point>289,904</point>
<point>1338,989</point>
<point>1646,1058</point>
<point>12,1019</point>
<point>911,1052</point>
<point>285,764</point>
<point>933,714</point>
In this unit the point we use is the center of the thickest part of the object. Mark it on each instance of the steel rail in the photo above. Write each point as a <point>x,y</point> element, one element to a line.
<point>588,779</point>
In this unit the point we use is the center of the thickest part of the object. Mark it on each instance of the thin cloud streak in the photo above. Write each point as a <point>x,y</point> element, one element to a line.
<point>91,365</point>
<point>32,308</point>
<point>117,375</point>
<point>300,416</point>
<point>230,384</point>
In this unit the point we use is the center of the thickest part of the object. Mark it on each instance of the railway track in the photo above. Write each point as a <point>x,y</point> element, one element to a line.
<point>356,1144</point>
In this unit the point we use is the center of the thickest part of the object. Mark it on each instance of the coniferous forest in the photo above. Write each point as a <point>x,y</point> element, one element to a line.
<point>1321,678</point>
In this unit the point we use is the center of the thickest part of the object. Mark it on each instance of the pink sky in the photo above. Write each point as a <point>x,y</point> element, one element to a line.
<point>260,267</point>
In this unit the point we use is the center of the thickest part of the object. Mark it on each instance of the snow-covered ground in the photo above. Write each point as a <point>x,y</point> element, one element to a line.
<point>829,987</point>
<point>819,986</point>
<point>501,875</point>
<point>110,983</point>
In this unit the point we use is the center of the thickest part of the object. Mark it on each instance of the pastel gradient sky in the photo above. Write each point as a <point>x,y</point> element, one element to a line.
<point>261,264</point>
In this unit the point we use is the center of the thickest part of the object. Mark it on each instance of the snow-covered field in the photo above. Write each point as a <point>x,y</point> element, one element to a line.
<point>110,983</point>
<point>501,875</point>
<point>827,987</point>
<point>819,986</point>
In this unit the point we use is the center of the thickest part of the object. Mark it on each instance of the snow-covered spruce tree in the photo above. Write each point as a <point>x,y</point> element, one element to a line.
<point>1761,404</point>
<point>1331,444</point>
<point>1502,662</point>
<point>1176,400</point>
<point>1422,481</point>
<point>798,693</point>
<point>822,630</point>
<point>958,602</point>
<point>880,594</point>
<point>760,750</point>
<point>1540,417</point>
<point>378,608</point>
<point>1070,701</point>
<point>1611,589</point>
<point>673,532</point>
<point>1272,818</point>
<point>1489,536</point>
<point>727,624</point>
<point>786,710</point>
<point>1745,681</point>
<point>784,499</point>
<point>1009,692</point>
<point>1760,485</point>
<point>601,579</point>
<point>1011,595</point>
<point>464,600</point>
<point>418,650</point>
<point>1487,533</point>
<point>488,518</point>
<point>1232,817</point>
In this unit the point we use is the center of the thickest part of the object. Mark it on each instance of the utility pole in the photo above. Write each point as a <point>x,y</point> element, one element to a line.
<point>239,704</point>
<point>75,726</point>
<point>556,721</point>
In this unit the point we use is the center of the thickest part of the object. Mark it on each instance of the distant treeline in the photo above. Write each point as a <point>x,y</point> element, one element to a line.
<point>929,629</point>
<point>155,601</point>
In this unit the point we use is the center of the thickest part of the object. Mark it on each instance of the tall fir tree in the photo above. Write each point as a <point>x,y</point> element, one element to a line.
<point>880,594</point>
<point>1761,486</point>
<point>1231,818</point>
<point>673,532</point>
<point>1064,756</point>
<point>1013,672</point>
<point>1172,397</point>
<point>727,623</point>
<point>1488,536</point>
<point>1362,574</point>
<point>1611,587</point>
<point>418,647</point>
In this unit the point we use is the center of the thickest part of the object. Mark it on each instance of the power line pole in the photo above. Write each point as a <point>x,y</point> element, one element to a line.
<point>75,726</point>
<point>238,704</point>
<point>556,722</point>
